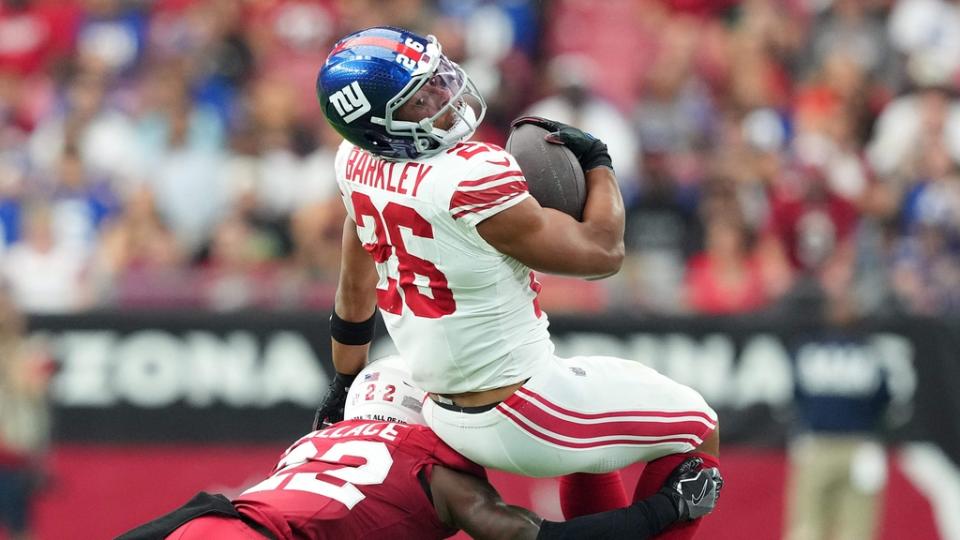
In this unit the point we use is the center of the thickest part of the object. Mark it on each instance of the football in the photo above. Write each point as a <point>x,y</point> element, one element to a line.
<point>553,173</point>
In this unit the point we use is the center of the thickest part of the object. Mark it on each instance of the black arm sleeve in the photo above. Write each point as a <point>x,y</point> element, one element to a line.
<point>640,520</point>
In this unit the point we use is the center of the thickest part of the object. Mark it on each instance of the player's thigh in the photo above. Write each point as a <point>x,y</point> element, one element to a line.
<point>602,389</point>
<point>583,414</point>
<point>621,409</point>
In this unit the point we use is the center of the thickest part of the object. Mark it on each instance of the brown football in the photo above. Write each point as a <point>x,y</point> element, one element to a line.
<point>553,173</point>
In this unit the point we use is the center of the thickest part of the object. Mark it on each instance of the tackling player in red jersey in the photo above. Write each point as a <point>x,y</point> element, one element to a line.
<point>381,474</point>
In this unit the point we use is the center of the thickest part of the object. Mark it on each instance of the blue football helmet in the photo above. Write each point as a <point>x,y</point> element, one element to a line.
<point>372,73</point>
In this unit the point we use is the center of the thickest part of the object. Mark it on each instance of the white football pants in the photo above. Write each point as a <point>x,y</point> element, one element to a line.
<point>584,414</point>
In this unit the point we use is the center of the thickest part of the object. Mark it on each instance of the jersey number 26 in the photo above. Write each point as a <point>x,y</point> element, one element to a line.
<point>387,226</point>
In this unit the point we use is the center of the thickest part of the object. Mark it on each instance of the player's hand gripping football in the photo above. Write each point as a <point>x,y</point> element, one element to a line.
<point>591,152</point>
<point>331,409</point>
<point>693,489</point>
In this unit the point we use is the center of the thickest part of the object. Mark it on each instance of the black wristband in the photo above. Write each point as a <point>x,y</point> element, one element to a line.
<point>352,333</point>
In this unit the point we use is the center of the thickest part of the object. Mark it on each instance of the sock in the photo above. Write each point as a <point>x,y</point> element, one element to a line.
<point>652,478</point>
<point>584,493</point>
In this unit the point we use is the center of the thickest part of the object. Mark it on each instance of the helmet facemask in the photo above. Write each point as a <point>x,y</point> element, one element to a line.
<point>466,105</point>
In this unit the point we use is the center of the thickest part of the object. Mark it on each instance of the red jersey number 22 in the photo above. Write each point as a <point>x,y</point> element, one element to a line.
<point>387,225</point>
<point>373,471</point>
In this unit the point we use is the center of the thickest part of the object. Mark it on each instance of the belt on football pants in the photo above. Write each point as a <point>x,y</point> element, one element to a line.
<point>446,403</point>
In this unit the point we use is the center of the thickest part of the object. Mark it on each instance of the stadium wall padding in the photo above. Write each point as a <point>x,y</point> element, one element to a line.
<point>141,377</point>
<point>150,407</point>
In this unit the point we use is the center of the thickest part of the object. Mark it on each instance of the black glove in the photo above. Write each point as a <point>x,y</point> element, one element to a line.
<point>591,152</point>
<point>331,410</point>
<point>693,490</point>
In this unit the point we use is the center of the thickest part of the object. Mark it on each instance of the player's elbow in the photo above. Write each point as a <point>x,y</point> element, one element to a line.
<point>617,254</point>
<point>609,261</point>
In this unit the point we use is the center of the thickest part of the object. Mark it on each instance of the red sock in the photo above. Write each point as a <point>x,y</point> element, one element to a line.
<point>584,493</point>
<point>652,479</point>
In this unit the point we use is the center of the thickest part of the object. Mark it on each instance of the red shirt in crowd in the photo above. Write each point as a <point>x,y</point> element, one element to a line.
<point>811,229</point>
<point>709,292</point>
<point>32,34</point>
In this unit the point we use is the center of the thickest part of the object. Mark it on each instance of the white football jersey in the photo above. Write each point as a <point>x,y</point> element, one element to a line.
<point>463,315</point>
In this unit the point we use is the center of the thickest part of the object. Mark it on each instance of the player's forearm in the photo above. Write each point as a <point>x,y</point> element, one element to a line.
<point>604,216</point>
<point>349,359</point>
<point>355,301</point>
<point>502,522</point>
<point>356,287</point>
<point>639,521</point>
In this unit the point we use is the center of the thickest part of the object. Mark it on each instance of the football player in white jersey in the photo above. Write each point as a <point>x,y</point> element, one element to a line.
<point>443,235</point>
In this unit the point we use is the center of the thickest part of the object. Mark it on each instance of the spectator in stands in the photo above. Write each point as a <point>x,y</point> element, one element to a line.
<point>111,37</point>
<point>852,29</point>
<point>51,29</point>
<point>181,143</point>
<point>926,263</point>
<point>755,76</point>
<point>929,114</point>
<point>138,254</point>
<point>80,204</point>
<point>237,270</point>
<point>289,40</point>
<point>210,39</point>
<point>927,33</point>
<point>104,135</point>
<point>814,227</point>
<point>662,230</point>
<point>675,112</point>
<point>24,419</point>
<point>926,271</point>
<point>280,172</point>
<point>827,120</point>
<point>837,467</point>
<point>44,274</point>
<point>317,221</point>
<point>13,173</point>
<point>752,159</point>
<point>725,278</point>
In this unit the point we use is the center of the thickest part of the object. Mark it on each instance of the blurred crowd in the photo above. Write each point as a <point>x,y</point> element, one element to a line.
<point>171,153</point>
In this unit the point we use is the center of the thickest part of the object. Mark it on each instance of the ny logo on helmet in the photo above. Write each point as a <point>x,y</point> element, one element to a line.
<point>350,102</point>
